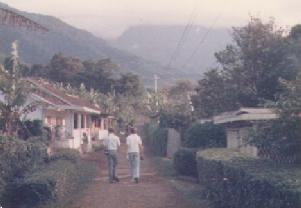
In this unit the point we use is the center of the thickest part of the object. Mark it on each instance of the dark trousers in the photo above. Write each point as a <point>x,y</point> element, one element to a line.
<point>112,164</point>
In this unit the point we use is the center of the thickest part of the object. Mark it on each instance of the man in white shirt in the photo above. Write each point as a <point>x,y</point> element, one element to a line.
<point>112,144</point>
<point>135,147</point>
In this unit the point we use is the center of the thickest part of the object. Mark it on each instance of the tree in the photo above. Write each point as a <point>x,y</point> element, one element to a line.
<point>289,102</point>
<point>256,61</point>
<point>64,69</point>
<point>154,102</point>
<point>98,75</point>
<point>214,95</point>
<point>129,84</point>
<point>179,97</point>
<point>250,69</point>
<point>15,91</point>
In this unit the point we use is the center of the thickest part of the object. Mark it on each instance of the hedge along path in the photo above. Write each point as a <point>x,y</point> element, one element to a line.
<point>153,191</point>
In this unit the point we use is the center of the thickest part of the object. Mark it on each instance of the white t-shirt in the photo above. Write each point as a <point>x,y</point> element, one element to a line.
<point>112,142</point>
<point>133,141</point>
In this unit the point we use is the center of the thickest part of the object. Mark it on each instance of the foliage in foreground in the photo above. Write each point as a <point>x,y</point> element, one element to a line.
<point>17,157</point>
<point>29,178</point>
<point>53,183</point>
<point>234,180</point>
<point>279,139</point>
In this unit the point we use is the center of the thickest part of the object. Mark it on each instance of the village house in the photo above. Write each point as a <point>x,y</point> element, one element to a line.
<point>74,122</point>
<point>238,124</point>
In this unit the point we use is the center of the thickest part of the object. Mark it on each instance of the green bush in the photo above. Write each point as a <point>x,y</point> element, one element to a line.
<point>66,154</point>
<point>54,182</point>
<point>184,161</point>
<point>279,139</point>
<point>204,136</point>
<point>17,157</point>
<point>178,120</point>
<point>234,180</point>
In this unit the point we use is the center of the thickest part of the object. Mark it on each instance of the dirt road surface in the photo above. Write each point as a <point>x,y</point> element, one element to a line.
<point>153,191</point>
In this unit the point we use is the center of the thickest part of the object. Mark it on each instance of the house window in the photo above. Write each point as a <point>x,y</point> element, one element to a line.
<point>82,121</point>
<point>75,121</point>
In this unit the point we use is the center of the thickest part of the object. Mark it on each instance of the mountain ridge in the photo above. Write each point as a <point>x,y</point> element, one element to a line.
<point>38,48</point>
<point>161,43</point>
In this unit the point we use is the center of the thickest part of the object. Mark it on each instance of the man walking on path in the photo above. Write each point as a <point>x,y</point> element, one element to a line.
<point>135,147</point>
<point>112,144</point>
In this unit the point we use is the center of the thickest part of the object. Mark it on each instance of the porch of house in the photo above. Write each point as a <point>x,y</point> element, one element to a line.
<point>75,130</point>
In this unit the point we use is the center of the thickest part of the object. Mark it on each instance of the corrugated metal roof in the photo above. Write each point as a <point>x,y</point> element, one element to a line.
<point>246,114</point>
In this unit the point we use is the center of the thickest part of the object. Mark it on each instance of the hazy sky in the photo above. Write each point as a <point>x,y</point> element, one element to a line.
<point>110,17</point>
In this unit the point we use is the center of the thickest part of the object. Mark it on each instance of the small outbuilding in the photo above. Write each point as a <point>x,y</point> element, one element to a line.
<point>238,124</point>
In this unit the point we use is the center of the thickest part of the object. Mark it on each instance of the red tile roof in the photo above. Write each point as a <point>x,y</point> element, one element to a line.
<point>51,93</point>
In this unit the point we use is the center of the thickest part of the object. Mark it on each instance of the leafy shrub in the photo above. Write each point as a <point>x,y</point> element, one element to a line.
<point>279,138</point>
<point>17,157</point>
<point>184,161</point>
<point>204,135</point>
<point>54,182</point>
<point>177,120</point>
<point>34,131</point>
<point>66,154</point>
<point>233,180</point>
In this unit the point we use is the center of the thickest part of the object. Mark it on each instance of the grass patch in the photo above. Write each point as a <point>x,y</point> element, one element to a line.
<point>165,167</point>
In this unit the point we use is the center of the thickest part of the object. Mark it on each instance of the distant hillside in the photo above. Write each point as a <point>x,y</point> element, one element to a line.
<point>37,47</point>
<point>157,43</point>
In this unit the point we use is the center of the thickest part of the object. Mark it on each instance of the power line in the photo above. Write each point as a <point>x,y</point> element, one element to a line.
<point>206,34</point>
<point>202,40</point>
<point>182,39</point>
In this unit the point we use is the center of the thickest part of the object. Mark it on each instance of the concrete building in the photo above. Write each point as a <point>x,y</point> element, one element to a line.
<point>238,124</point>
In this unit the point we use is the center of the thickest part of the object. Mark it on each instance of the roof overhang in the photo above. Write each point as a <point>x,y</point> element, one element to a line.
<point>246,114</point>
<point>75,108</point>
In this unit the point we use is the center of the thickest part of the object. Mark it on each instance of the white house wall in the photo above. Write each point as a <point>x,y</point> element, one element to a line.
<point>233,138</point>
<point>237,139</point>
<point>35,115</point>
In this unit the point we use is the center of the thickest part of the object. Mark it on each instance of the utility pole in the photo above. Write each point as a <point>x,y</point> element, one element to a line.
<point>156,83</point>
<point>156,90</point>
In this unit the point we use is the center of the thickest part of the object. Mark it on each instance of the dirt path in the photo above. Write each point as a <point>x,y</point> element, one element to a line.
<point>153,191</point>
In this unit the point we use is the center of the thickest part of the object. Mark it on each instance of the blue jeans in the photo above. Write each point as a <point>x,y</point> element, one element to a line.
<point>134,162</point>
<point>112,163</point>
